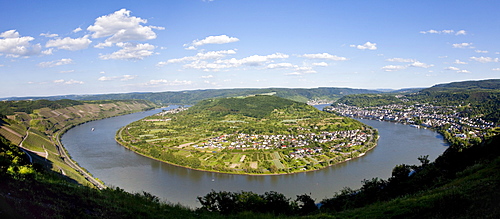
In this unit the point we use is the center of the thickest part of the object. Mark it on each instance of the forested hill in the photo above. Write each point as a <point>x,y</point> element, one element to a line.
<point>193,96</point>
<point>258,106</point>
<point>491,84</point>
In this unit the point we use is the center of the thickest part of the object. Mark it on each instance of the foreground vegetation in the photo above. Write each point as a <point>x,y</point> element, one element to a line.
<point>459,184</point>
<point>252,135</point>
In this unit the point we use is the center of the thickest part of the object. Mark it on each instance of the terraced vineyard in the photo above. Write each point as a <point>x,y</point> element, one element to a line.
<point>38,129</point>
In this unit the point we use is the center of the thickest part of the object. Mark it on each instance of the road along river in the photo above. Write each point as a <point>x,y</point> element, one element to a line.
<point>92,145</point>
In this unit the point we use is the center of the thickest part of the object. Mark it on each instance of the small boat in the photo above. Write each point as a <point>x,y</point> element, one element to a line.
<point>93,129</point>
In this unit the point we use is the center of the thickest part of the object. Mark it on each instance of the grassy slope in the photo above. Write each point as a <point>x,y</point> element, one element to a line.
<point>472,195</point>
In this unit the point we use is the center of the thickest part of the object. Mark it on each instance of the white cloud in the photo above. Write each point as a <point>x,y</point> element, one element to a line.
<point>13,45</point>
<point>61,81</point>
<point>459,62</point>
<point>121,27</point>
<point>400,60</point>
<point>393,67</point>
<point>367,45</point>
<point>458,70</point>
<point>68,71</point>
<point>463,45</point>
<point>484,59</point>
<point>222,39</point>
<point>55,63</point>
<point>452,68</point>
<point>420,65</point>
<point>207,76</point>
<point>200,56</point>
<point>76,30</point>
<point>324,56</point>
<point>68,43</point>
<point>10,34</point>
<point>480,51</point>
<point>255,60</point>
<point>496,69</point>
<point>121,78</point>
<point>130,51</point>
<point>102,45</point>
<point>49,35</point>
<point>320,64</point>
<point>48,51</point>
<point>160,82</point>
<point>281,65</point>
<point>460,32</point>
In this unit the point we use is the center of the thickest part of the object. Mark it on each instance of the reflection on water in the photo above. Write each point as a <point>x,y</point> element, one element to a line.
<point>105,159</point>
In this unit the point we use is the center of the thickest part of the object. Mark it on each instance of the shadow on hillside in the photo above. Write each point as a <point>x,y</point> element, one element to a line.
<point>42,164</point>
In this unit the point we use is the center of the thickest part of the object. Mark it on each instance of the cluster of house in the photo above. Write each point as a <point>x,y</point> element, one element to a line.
<point>300,142</point>
<point>172,111</point>
<point>425,115</point>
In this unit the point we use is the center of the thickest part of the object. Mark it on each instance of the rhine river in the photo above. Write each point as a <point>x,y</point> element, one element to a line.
<point>117,166</point>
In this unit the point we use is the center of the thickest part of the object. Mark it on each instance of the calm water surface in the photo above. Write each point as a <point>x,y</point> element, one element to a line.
<point>98,152</point>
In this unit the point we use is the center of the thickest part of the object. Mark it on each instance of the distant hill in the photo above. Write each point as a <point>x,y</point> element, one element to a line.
<point>490,84</point>
<point>193,96</point>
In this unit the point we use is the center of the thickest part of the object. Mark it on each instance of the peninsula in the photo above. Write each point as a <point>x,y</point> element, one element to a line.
<point>260,134</point>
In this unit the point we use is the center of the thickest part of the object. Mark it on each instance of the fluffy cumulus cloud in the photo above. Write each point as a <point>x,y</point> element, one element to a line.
<point>324,56</point>
<point>68,43</point>
<point>55,63</point>
<point>216,65</point>
<point>12,44</point>
<point>367,45</point>
<point>200,56</point>
<point>463,45</point>
<point>114,78</point>
<point>121,27</point>
<point>484,59</point>
<point>221,39</point>
<point>130,51</point>
<point>460,32</point>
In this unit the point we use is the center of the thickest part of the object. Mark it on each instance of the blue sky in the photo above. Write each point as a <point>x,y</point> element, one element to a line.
<point>91,47</point>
